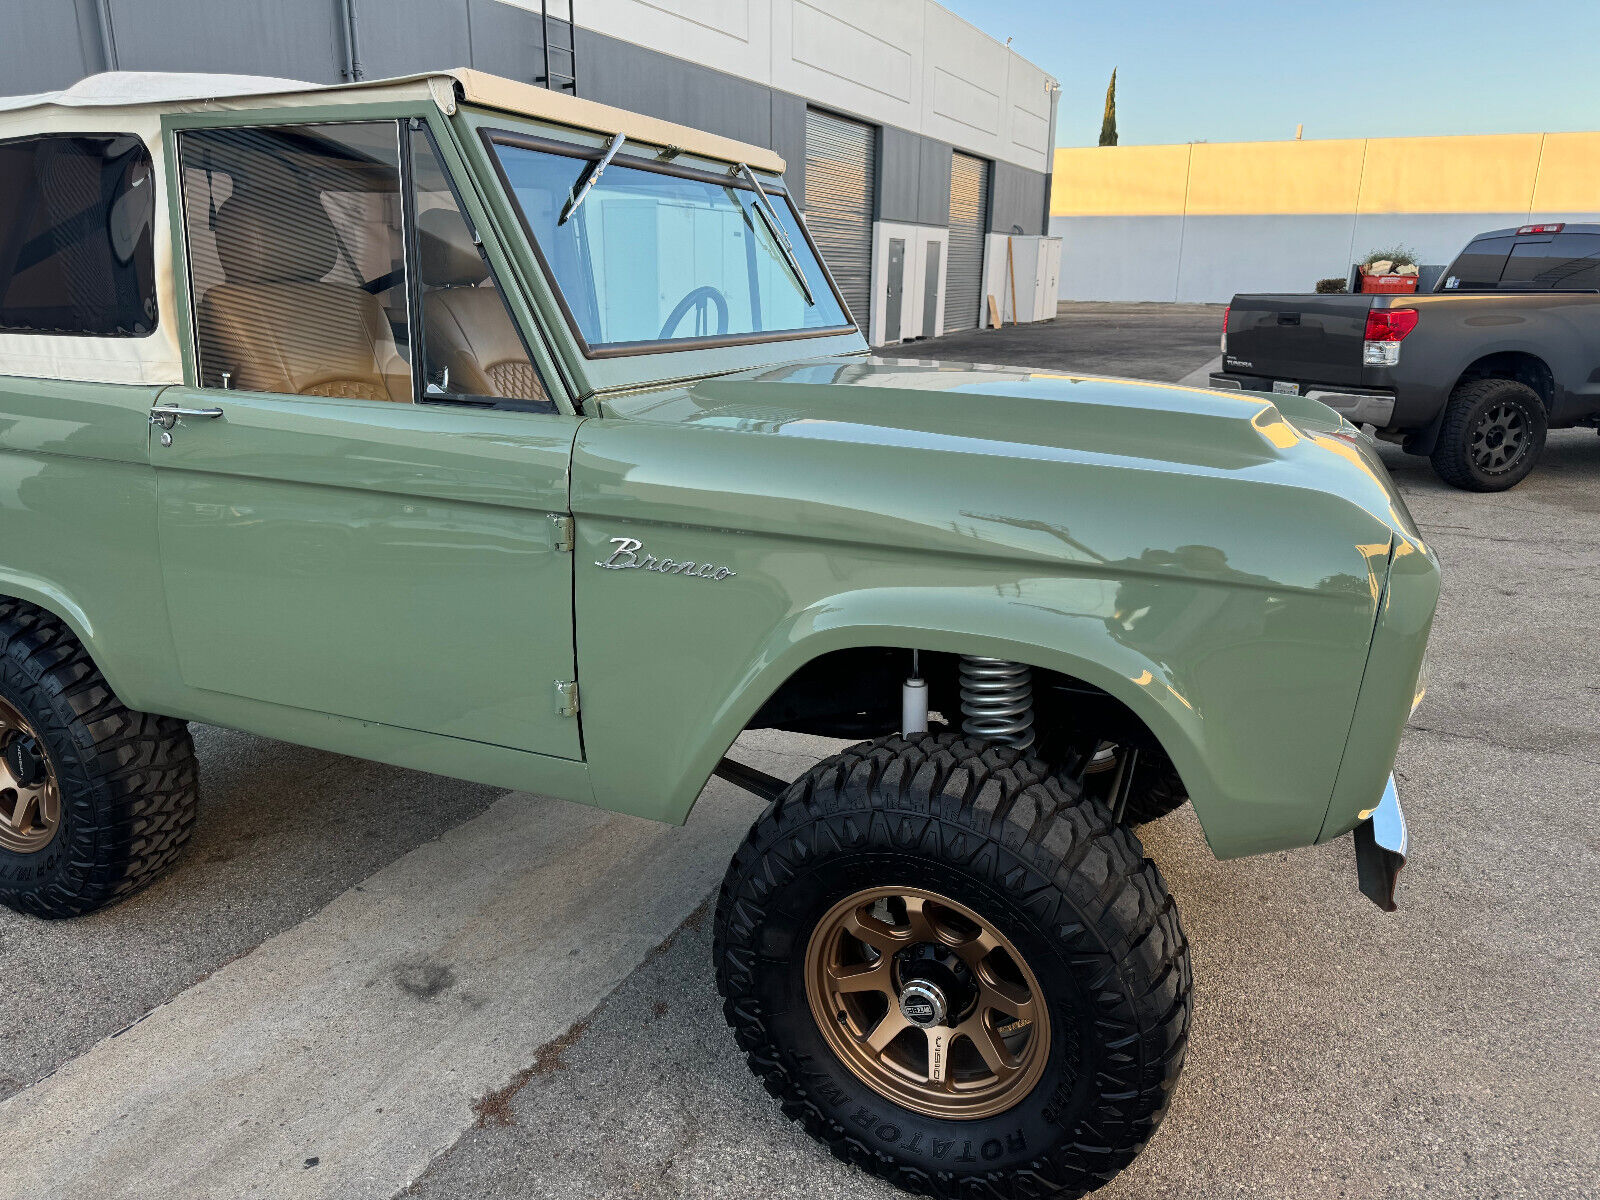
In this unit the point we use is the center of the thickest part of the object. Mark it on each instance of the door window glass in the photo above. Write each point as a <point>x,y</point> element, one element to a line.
<point>297,259</point>
<point>76,219</point>
<point>470,347</point>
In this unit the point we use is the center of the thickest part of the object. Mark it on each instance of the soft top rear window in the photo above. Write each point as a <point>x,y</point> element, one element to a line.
<point>662,259</point>
<point>77,216</point>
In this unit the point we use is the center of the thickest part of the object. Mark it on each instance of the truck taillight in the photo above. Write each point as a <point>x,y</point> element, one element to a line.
<point>1390,324</point>
<point>1226,313</point>
<point>1386,329</point>
<point>1557,227</point>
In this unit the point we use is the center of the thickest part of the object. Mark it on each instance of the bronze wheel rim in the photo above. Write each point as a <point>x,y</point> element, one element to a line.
<point>30,799</point>
<point>927,1003</point>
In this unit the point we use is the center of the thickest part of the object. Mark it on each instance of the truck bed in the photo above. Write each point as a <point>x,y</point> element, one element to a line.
<point>1294,337</point>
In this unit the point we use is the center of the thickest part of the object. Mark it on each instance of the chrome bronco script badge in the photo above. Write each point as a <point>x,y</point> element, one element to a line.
<point>626,557</point>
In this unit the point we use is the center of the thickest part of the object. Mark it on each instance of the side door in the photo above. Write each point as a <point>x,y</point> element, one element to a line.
<point>361,502</point>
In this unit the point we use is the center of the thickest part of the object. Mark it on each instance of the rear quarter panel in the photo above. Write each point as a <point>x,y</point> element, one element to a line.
<point>77,523</point>
<point>1454,330</point>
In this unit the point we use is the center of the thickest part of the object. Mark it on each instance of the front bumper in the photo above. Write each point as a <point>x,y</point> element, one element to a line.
<point>1382,843</point>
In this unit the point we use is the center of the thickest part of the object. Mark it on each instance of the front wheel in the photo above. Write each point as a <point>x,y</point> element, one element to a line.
<point>951,967</point>
<point>1493,433</point>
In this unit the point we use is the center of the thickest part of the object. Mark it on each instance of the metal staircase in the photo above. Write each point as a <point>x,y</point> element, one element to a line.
<point>554,79</point>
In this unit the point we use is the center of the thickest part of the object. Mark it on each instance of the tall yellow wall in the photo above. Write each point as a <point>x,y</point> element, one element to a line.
<point>1498,173</point>
<point>1293,177</point>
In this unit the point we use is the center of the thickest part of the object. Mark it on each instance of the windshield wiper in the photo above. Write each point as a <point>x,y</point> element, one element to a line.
<point>589,178</point>
<point>770,216</point>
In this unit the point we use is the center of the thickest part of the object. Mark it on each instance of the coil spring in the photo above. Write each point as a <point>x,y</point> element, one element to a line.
<point>997,701</point>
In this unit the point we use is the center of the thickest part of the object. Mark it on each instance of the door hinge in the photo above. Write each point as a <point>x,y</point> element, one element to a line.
<point>566,697</point>
<point>565,535</point>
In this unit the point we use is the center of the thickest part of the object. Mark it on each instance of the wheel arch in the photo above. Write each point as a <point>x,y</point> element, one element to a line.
<point>1081,652</point>
<point>1518,363</point>
<point>46,597</point>
<point>1522,365</point>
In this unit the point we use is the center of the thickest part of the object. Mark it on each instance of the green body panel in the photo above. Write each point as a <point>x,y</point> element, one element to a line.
<point>1192,553</point>
<point>1390,690</point>
<point>79,537</point>
<point>383,579</point>
<point>77,534</point>
<point>389,562</point>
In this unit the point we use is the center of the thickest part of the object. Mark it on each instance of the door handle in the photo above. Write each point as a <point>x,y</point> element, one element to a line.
<point>166,415</point>
<point>1288,318</point>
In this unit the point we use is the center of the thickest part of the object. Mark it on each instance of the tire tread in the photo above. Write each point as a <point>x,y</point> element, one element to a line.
<point>1064,858</point>
<point>1450,457</point>
<point>133,788</point>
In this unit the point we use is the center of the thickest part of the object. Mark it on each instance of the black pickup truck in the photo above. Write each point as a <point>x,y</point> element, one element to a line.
<point>1471,374</point>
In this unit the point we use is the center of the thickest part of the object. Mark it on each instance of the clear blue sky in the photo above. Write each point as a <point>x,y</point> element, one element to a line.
<point>1244,70</point>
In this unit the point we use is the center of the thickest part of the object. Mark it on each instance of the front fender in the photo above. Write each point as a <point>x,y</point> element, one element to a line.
<point>1249,690</point>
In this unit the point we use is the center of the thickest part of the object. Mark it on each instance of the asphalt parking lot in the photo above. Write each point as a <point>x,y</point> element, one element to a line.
<point>361,981</point>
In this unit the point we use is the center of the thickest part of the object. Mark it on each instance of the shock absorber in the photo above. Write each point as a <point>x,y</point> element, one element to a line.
<point>997,700</point>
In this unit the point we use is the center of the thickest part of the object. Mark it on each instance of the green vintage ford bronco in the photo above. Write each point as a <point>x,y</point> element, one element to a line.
<point>456,424</point>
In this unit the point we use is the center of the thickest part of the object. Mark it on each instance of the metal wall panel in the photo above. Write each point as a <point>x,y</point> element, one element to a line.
<point>508,41</point>
<point>406,37</point>
<point>969,221</point>
<point>841,171</point>
<point>298,39</point>
<point>48,46</point>
<point>1018,199</point>
<point>933,183</point>
<point>899,168</point>
<point>638,79</point>
<point>789,139</point>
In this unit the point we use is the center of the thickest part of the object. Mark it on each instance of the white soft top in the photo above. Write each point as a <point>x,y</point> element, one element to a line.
<point>153,92</point>
<point>118,89</point>
<point>133,102</point>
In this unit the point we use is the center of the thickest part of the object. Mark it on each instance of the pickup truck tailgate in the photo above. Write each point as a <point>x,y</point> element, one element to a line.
<point>1298,337</point>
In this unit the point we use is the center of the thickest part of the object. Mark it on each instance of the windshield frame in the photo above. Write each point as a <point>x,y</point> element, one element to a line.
<point>494,137</point>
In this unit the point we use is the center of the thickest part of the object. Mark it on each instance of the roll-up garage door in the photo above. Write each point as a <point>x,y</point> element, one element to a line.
<point>840,176</point>
<point>969,219</point>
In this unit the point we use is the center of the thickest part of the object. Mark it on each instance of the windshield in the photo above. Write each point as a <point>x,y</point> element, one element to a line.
<point>651,257</point>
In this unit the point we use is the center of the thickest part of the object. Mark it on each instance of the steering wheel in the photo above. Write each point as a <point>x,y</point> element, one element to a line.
<point>701,300</point>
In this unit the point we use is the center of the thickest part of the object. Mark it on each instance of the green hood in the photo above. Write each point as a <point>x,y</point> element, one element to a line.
<point>1011,462</point>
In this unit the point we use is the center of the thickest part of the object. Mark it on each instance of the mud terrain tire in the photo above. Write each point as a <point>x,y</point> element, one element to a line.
<point>993,831</point>
<point>127,782</point>
<point>1493,433</point>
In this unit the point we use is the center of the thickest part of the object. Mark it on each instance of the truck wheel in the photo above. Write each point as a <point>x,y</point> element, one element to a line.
<point>95,799</point>
<point>1493,433</point>
<point>955,971</point>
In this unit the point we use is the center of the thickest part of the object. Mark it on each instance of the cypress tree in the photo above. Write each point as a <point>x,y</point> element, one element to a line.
<point>1108,124</point>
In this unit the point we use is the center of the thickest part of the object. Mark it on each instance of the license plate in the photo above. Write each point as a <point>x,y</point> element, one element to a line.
<point>1285,388</point>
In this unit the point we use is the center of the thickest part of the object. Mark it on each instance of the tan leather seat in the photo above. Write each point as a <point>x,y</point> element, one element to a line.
<point>468,328</point>
<point>274,325</point>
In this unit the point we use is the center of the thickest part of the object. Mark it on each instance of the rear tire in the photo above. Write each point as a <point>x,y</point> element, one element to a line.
<point>114,792</point>
<point>982,838</point>
<point>1493,433</point>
